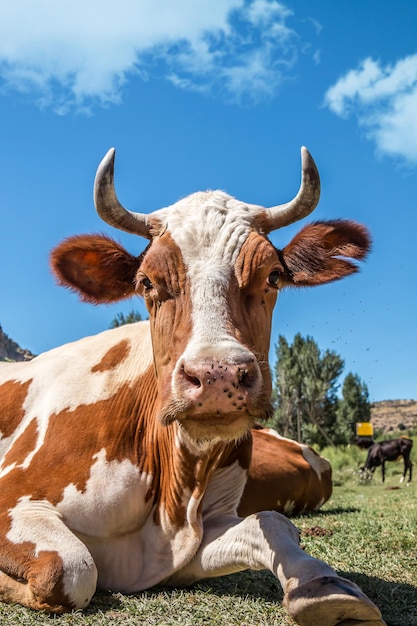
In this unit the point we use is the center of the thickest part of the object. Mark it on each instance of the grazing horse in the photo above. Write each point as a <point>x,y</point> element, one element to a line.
<point>123,456</point>
<point>389,450</point>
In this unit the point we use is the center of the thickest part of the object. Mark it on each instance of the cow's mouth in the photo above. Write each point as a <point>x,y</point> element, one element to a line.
<point>209,427</point>
<point>217,424</point>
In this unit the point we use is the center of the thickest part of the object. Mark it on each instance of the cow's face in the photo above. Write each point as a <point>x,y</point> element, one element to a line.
<point>210,284</point>
<point>210,279</point>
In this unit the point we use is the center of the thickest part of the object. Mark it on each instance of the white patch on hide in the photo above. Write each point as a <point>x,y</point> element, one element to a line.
<point>318,463</point>
<point>113,501</point>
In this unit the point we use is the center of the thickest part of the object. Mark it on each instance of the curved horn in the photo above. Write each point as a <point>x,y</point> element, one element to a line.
<point>108,206</point>
<point>304,202</point>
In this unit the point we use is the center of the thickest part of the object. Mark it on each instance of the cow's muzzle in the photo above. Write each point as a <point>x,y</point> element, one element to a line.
<point>218,386</point>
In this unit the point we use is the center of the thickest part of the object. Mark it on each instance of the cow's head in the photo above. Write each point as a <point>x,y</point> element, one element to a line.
<point>210,278</point>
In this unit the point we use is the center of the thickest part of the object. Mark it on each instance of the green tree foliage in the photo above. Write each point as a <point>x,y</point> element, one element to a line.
<point>354,406</point>
<point>120,319</point>
<point>306,387</point>
<point>305,391</point>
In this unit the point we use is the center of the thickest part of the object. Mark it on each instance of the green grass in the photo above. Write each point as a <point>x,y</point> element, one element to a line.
<point>367,532</point>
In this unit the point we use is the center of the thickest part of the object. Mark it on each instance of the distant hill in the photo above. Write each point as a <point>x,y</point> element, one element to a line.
<point>393,415</point>
<point>11,351</point>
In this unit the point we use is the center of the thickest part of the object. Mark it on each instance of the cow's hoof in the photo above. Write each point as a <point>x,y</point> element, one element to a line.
<point>331,601</point>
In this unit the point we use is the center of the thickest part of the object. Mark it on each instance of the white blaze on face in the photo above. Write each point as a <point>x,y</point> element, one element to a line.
<point>216,228</point>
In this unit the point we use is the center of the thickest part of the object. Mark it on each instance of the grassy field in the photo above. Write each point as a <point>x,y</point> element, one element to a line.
<point>367,532</point>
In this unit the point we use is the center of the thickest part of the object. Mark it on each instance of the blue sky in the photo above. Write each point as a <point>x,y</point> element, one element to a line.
<point>201,94</point>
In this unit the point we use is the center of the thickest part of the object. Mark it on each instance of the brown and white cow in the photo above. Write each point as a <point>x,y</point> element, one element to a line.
<point>124,455</point>
<point>284,476</point>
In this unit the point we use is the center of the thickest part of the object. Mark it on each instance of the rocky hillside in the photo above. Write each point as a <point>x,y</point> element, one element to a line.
<point>11,351</point>
<point>393,415</point>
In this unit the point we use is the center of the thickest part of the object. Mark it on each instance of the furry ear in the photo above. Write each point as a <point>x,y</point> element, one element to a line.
<point>321,252</point>
<point>96,267</point>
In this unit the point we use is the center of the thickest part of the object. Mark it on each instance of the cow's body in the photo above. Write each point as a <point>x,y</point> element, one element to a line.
<point>125,455</point>
<point>389,450</point>
<point>284,476</point>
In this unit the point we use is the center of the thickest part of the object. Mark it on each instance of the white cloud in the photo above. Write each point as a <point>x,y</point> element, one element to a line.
<point>384,100</point>
<point>74,53</point>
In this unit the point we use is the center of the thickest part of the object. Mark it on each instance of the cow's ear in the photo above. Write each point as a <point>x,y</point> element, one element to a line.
<point>324,251</point>
<point>96,267</point>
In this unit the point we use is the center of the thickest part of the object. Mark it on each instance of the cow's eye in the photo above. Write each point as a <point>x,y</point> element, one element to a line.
<point>146,282</point>
<point>273,278</point>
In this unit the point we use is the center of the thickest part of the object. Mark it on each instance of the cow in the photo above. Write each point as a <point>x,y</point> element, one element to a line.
<point>389,450</point>
<point>284,476</point>
<point>124,455</point>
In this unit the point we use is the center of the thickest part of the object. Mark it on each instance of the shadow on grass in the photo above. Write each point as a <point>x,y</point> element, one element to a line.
<point>105,602</point>
<point>251,584</point>
<point>337,510</point>
<point>396,601</point>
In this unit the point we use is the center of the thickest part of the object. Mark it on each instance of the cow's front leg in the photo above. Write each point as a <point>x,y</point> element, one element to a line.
<point>43,565</point>
<point>314,594</point>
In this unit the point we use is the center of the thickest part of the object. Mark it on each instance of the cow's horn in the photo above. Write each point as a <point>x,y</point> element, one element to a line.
<point>304,202</point>
<point>109,207</point>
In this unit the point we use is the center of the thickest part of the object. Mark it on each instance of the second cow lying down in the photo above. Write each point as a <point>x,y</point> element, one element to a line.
<point>284,476</point>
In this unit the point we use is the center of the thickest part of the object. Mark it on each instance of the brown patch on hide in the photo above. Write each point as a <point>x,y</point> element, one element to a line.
<point>23,445</point>
<point>13,395</point>
<point>113,357</point>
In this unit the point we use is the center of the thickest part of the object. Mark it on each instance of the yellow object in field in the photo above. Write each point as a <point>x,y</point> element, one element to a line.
<point>364,429</point>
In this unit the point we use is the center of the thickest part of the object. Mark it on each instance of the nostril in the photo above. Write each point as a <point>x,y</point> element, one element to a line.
<point>248,375</point>
<point>242,375</point>
<point>192,380</point>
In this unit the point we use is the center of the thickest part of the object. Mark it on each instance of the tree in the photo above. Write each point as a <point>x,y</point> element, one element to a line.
<point>306,386</point>
<point>354,406</point>
<point>120,319</point>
